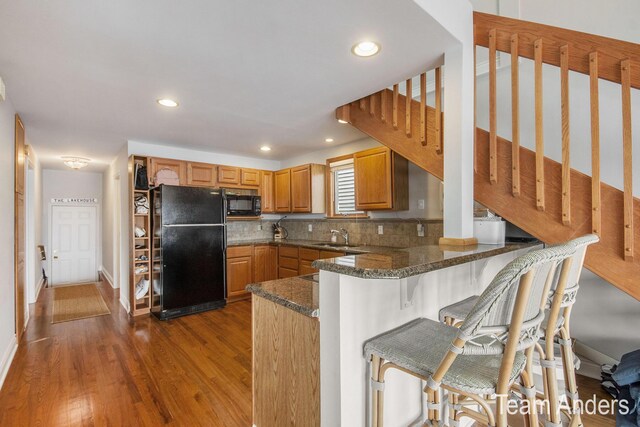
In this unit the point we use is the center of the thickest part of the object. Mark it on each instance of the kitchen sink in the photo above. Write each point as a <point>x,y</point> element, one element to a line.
<point>336,245</point>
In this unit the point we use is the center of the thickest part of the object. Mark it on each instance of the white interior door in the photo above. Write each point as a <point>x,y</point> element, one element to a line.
<point>73,244</point>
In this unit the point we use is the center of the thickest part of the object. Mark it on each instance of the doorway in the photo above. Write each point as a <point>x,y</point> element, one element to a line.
<point>74,231</point>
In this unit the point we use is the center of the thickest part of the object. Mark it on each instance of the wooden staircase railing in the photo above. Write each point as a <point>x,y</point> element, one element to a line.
<point>546,198</point>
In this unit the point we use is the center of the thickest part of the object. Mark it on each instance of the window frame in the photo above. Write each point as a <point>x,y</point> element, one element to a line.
<point>330,186</point>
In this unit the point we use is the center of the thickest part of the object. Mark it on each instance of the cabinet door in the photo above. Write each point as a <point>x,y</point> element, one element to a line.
<point>260,263</point>
<point>228,175</point>
<point>301,189</point>
<point>177,166</point>
<point>272,263</point>
<point>305,268</point>
<point>250,177</point>
<point>330,254</point>
<point>266,191</point>
<point>283,273</point>
<point>373,179</point>
<point>283,190</point>
<point>239,275</point>
<point>201,174</point>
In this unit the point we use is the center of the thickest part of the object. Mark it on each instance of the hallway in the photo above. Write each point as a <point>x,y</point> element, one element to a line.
<point>106,371</point>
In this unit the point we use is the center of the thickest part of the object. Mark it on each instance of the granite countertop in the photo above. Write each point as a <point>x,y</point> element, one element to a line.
<point>296,293</point>
<point>402,263</point>
<point>314,244</point>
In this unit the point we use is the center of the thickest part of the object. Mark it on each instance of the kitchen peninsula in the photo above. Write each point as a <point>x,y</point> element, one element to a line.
<point>308,331</point>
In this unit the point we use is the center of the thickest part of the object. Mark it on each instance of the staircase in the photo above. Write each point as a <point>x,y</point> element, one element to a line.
<point>546,198</point>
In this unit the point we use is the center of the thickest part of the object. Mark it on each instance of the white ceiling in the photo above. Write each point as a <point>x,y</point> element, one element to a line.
<point>85,74</point>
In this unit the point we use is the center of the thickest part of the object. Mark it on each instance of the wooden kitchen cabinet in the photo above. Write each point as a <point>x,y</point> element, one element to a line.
<point>266,191</point>
<point>201,174</point>
<point>300,189</point>
<point>228,175</point>
<point>282,190</point>
<point>381,180</point>
<point>330,254</point>
<point>239,271</point>
<point>307,256</point>
<point>177,166</point>
<point>265,263</point>
<point>250,177</point>
<point>287,261</point>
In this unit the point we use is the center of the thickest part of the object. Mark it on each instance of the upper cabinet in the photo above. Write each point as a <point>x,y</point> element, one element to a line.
<point>250,177</point>
<point>176,166</point>
<point>300,189</point>
<point>381,180</point>
<point>282,192</point>
<point>201,174</point>
<point>267,191</point>
<point>228,175</point>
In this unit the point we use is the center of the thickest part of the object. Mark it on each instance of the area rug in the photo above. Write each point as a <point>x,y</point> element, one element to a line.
<point>77,302</point>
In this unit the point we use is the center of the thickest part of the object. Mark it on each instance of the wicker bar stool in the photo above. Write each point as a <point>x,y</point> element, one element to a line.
<point>482,358</point>
<point>558,313</point>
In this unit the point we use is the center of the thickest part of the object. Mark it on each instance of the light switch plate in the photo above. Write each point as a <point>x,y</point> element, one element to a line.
<point>380,229</point>
<point>310,227</point>
<point>421,204</point>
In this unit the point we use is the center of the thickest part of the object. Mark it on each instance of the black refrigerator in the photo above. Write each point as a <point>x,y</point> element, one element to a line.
<point>189,245</point>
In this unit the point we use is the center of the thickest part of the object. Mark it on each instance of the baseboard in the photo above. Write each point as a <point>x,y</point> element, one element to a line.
<point>7,358</point>
<point>39,287</point>
<point>107,276</point>
<point>124,303</point>
<point>591,360</point>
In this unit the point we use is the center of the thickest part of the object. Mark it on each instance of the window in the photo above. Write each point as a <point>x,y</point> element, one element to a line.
<point>343,189</point>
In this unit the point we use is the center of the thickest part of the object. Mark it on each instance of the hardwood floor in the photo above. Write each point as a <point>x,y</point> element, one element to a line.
<point>109,370</point>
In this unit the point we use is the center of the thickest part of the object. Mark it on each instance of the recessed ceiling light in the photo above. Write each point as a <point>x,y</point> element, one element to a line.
<point>342,121</point>
<point>166,102</point>
<point>265,148</point>
<point>328,140</point>
<point>365,48</point>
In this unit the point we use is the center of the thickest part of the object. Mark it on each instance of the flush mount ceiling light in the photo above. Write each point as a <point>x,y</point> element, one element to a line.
<point>329,140</point>
<point>166,102</point>
<point>365,48</point>
<point>75,162</point>
<point>265,148</point>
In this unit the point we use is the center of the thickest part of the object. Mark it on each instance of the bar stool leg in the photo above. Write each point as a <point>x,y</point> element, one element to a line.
<point>570,376</point>
<point>377,392</point>
<point>529,392</point>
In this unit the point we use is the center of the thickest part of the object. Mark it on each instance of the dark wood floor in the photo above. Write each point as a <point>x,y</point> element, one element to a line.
<point>109,370</point>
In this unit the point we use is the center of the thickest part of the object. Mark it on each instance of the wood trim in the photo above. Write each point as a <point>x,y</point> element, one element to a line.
<point>539,119</point>
<point>596,215</point>
<point>383,106</point>
<point>581,45</point>
<point>493,110</point>
<point>19,228</point>
<point>342,113</point>
<point>372,105</point>
<point>452,241</point>
<point>407,108</point>
<point>475,104</point>
<point>566,142</point>
<point>362,104</point>
<point>438,131</point>
<point>627,152</point>
<point>394,112</point>
<point>515,116</point>
<point>423,103</point>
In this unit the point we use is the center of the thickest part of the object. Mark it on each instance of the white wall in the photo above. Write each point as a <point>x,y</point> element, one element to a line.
<point>422,185</point>
<point>69,183</point>
<point>602,329</point>
<point>7,193</point>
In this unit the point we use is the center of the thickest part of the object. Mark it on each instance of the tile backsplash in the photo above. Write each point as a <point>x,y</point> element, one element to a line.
<point>396,232</point>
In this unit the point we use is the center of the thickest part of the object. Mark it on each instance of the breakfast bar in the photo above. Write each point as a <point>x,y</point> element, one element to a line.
<point>315,327</point>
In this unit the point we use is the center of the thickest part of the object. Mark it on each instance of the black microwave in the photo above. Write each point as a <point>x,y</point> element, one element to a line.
<point>239,205</point>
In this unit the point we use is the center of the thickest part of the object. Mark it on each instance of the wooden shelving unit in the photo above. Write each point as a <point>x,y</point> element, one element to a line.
<point>140,246</point>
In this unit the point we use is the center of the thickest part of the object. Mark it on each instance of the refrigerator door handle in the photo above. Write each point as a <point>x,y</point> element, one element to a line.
<point>193,225</point>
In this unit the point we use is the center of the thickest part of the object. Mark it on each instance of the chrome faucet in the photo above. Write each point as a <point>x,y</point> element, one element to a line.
<point>344,233</point>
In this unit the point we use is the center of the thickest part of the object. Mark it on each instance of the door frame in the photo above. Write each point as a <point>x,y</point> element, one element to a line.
<point>71,203</point>
<point>30,260</point>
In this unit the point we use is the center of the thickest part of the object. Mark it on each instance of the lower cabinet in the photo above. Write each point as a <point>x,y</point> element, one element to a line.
<point>239,271</point>
<point>252,264</point>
